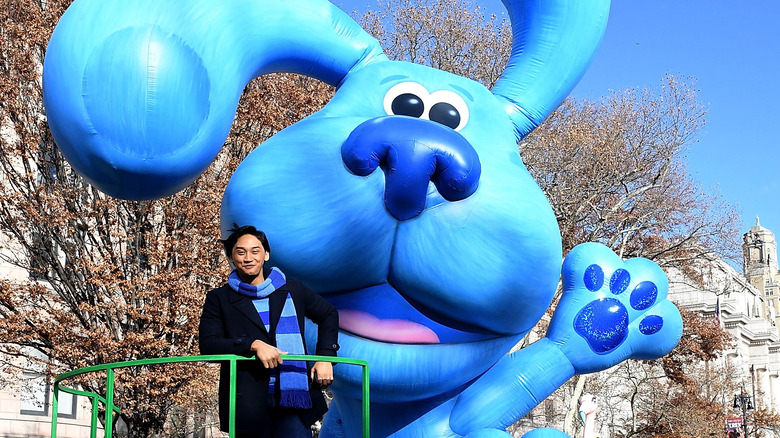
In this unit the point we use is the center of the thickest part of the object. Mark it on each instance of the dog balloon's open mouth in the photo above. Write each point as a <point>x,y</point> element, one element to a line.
<point>382,314</point>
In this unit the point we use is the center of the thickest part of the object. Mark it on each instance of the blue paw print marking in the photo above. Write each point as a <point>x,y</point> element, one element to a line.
<point>604,322</point>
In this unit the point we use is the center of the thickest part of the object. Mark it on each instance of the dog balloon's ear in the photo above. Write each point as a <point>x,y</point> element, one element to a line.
<point>141,95</point>
<point>553,44</point>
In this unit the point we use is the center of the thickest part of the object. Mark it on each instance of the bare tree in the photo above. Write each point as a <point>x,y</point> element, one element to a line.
<point>614,172</point>
<point>451,35</point>
<point>112,280</point>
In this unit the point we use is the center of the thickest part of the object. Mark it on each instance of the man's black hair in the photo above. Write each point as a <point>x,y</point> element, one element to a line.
<point>237,232</point>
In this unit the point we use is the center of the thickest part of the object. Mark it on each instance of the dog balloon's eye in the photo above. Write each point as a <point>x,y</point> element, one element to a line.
<point>445,114</point>
<point>408,104</point>
<point>406,99</point>
<point>449,109</point>
<point>414,100</point>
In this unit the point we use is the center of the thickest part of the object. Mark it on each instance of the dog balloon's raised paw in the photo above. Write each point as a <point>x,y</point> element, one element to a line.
<point>612,310</point>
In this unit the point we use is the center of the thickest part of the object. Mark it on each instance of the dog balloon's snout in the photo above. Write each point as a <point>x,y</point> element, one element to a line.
<point>412,153</point>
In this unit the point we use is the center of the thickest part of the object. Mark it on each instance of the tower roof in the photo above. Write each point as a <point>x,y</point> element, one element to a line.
<point>757,228</point>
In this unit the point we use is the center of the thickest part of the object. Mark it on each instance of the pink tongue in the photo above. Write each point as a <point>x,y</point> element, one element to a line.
<point>390,330</point>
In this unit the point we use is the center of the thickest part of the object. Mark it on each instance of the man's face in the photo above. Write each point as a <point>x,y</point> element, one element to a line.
<point>248,257</point>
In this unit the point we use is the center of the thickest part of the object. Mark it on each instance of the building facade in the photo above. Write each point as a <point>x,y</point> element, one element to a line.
<point>25,405</point>
<point>747,306</point>
<point>760,265</point>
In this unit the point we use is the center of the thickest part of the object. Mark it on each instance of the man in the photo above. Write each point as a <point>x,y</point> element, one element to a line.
<point>261,312</point>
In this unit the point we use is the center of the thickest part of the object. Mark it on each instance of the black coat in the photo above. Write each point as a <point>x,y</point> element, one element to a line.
<point>230,323</point>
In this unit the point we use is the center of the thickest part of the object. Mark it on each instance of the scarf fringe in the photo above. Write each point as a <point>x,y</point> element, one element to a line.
<point>296,398</point>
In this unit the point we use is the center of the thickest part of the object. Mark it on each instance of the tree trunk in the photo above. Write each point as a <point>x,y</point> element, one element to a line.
<point>568,423</point>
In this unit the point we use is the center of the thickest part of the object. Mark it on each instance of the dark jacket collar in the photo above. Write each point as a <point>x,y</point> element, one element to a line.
<point>275,304</point>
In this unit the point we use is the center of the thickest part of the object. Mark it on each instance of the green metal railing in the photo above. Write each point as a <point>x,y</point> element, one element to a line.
<point>232,360</point>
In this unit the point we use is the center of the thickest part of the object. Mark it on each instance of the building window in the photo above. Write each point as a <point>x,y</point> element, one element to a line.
<point>36,396</point>
<point>66,405</point>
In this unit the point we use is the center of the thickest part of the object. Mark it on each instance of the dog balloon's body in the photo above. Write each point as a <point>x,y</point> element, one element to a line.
<point>404,201</point>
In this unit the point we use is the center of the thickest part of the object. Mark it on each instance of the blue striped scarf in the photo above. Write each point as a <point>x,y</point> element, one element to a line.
<point>293,381</point>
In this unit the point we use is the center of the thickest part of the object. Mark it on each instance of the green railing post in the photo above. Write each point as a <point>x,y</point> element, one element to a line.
<point>109,426</point>
<point>94,422</point>
<point>232,363</point>
<point>232,398</point>
<point>55,409</point>
<point>366,404</point>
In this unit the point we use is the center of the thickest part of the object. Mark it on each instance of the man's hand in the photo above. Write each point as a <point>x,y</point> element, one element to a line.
<point>268,354</point>
<point>323,373</point>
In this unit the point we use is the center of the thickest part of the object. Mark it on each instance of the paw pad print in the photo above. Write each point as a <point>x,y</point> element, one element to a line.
<point>603,322</point>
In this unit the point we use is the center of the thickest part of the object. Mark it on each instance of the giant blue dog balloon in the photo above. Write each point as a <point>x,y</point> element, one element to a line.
<point>404,201</point>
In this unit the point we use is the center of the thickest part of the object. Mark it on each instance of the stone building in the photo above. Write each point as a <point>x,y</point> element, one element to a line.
<point>747,306</point>
<point>741,309</point>
<point>760,265</point>
<point>25,406</point>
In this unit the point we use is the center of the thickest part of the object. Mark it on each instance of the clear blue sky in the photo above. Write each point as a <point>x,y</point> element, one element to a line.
<point>732,48</point>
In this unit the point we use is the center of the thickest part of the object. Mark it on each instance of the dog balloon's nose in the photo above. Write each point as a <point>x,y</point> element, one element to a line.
<point>413,152</point>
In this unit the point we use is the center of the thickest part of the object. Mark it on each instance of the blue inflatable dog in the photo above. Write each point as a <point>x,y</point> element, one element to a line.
<point>404,201</point>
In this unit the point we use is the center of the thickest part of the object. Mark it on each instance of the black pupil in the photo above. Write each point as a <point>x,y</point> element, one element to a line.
<point>407,104</point>
<point>445,114</point>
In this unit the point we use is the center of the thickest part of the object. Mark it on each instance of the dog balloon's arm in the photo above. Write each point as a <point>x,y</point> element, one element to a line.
<point>609,311</point>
